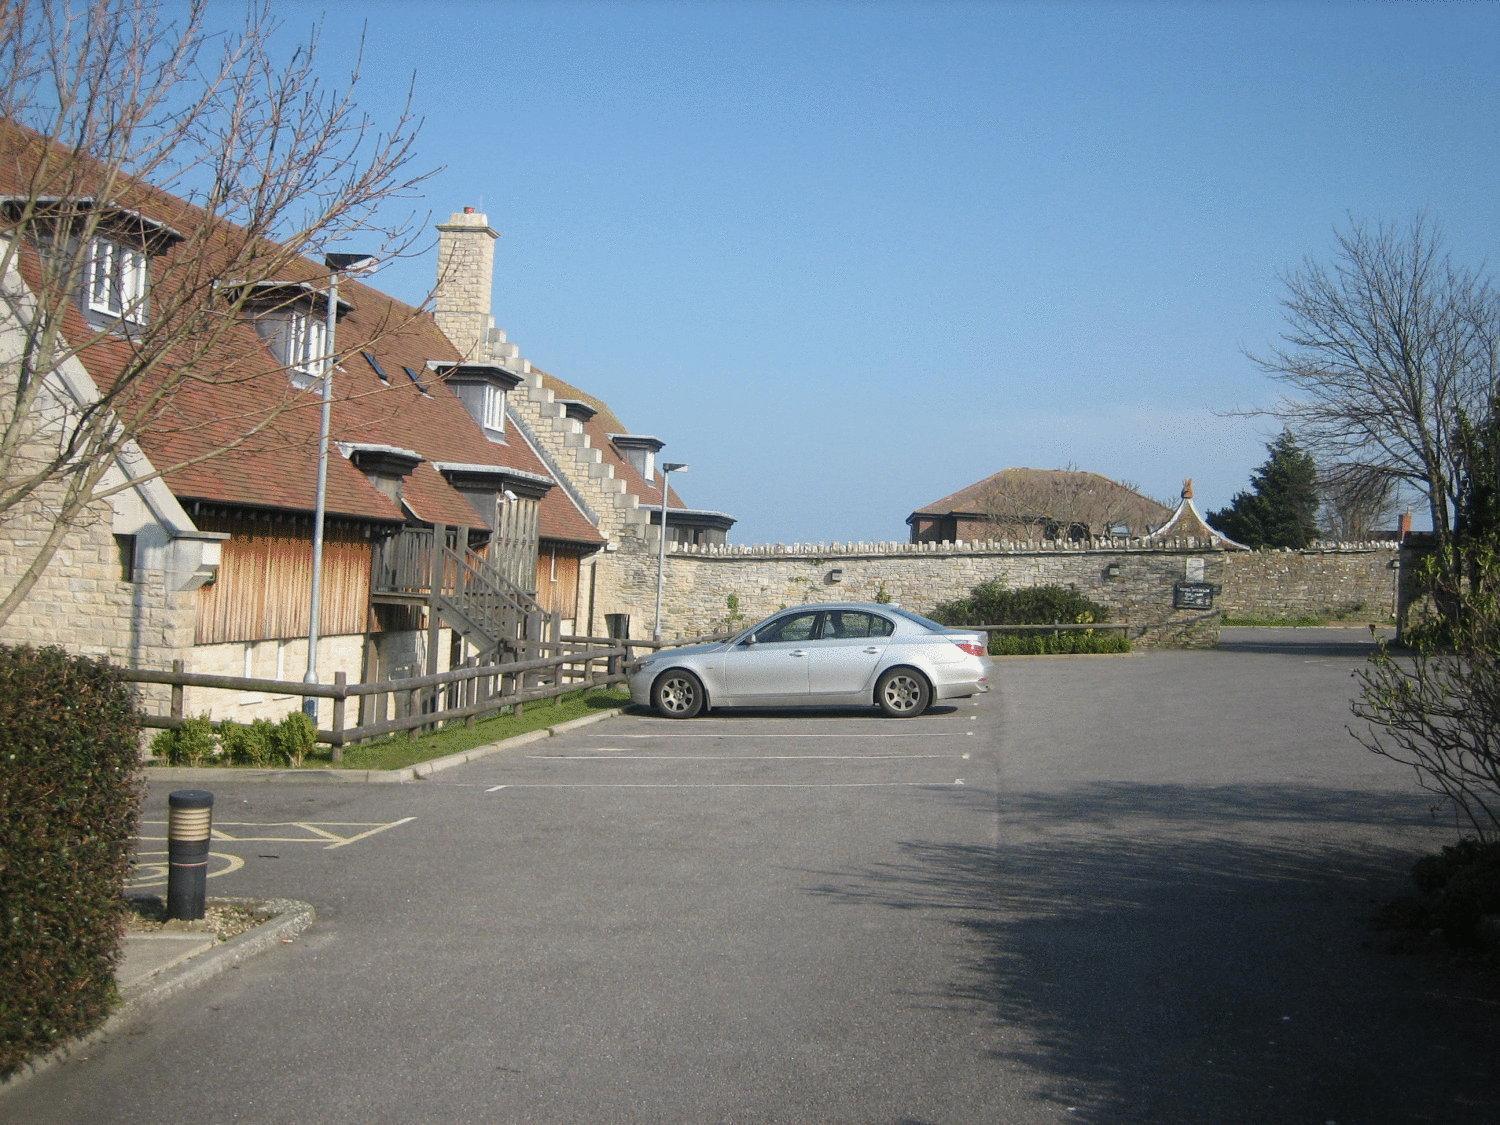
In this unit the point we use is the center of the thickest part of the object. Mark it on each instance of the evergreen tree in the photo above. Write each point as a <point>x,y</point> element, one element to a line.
<point>1478,515</point>
<point>1281,509</point>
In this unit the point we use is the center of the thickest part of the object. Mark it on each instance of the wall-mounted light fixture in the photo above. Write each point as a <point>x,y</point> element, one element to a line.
<point>835,575</point>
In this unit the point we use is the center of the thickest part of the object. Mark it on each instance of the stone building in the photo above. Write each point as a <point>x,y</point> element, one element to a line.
<point>1036,505</point>
<point>207,559</point>
<point>612,474</point>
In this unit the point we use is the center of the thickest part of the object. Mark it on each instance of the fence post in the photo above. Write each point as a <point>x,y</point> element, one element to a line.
<point>341,684</point>
<point>177,669</point>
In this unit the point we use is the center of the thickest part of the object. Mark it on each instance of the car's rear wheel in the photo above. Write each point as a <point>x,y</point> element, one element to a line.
<point>678,694</point>
<point>903,693</point>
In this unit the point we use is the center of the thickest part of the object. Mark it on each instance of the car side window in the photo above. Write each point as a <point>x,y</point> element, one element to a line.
<point>794,627</point>
<point>852,624</point>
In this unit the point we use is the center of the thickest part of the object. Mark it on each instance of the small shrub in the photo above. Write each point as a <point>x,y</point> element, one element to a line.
<point>992,603</point>
<point>69,799</point>
<point>191,744</point>
<point>1458,886</point>
<point>293,738</point>
<point>734,619</point>
<point>883,597</point>
<point>247,745</point>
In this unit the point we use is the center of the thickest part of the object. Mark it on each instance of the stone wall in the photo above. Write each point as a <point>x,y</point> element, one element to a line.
<point>919,576</point>
<point>1356,580</point>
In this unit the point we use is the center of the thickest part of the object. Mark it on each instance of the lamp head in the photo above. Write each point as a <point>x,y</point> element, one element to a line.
<point>349,263</point>
<point>673,467</point>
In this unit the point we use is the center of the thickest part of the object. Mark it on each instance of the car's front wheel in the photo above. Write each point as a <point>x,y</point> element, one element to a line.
<point>678,694</point>
<point>903,693</point>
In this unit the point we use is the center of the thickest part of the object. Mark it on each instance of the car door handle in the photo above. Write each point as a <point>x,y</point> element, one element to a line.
<point>872,651</point>
<point>797,652</point>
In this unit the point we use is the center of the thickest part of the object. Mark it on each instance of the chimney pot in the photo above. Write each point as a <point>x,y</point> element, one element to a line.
<point>468,210</point>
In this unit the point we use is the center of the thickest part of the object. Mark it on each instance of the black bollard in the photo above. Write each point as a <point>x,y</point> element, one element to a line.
<point>189,822</point>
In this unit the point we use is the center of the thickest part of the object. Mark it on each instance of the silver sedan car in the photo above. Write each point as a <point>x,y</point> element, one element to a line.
<point>841,654</point>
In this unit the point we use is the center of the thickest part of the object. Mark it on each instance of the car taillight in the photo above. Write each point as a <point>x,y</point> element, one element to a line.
<point>973,648</point>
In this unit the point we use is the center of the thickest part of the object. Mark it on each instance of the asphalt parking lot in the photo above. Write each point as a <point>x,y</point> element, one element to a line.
<point>1114,888</point>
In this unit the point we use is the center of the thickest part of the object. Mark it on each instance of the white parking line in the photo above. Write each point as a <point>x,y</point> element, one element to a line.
<point>803,734</point>
<point>732,785</point>
<point>617,756</point>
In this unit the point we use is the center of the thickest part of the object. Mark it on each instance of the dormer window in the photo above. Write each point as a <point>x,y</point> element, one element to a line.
<point>104,248</point>
<point>578,413</point>
<point>482,388</point>
<point>292,318</point>
<point>117,280</point>
<point>299,340</point>
<point>640,450</point>
<point>492,416</point>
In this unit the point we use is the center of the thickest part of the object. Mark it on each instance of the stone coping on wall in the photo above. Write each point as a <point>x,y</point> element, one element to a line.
<point>995,547</point>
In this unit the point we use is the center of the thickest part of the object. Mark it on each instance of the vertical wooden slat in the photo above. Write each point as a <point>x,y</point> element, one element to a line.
<point>340,681</point>
<point>177,669</point>
<point>435,562</point>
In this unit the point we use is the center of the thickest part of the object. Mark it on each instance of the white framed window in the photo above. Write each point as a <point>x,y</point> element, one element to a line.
<point>299,339</point>
<point>117,280</point>
<point>493,413</point>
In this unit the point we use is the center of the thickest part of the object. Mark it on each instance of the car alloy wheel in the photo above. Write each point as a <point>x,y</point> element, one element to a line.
<point>679,695</point>
<point>903,693</point>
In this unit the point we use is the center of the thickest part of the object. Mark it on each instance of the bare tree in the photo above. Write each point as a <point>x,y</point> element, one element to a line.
<point>1039,504</point>
<point>96,102</point>
<point>1357,501</point>
<point>1387,347</point>
<point>1436,708</point>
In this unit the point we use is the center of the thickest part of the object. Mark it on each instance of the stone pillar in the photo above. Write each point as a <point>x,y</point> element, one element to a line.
<point>466,267</point>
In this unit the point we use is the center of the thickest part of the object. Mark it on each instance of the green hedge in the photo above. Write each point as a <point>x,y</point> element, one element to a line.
<point>992,603</point>
<point>1055,644</point>
<point>69,799</point>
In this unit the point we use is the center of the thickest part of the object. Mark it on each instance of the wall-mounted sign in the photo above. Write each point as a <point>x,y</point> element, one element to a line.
<point>1193,595</point>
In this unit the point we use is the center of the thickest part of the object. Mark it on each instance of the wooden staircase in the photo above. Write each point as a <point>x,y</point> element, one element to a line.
<point>434,567</point>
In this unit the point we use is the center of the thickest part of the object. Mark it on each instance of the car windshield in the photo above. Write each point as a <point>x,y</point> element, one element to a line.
<point>925,622</point>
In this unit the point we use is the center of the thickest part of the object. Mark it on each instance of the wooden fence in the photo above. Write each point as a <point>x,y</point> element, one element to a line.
<point>423,703</point>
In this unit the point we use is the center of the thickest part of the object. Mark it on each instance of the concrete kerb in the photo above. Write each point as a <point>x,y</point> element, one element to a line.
<point>207,774</point>
<point>287,918</point>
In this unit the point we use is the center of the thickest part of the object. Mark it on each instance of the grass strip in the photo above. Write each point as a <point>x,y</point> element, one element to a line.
<point>1303,621</point>
<point>398,751</point>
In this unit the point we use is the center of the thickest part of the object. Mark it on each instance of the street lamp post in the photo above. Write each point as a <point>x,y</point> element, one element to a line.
<point>336,264</point>
<point>667,469</point>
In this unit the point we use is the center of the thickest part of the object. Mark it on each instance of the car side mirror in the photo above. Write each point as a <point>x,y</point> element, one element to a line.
<point>750,640</point>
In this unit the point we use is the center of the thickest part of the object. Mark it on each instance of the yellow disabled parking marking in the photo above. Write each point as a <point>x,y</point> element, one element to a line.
<point>330,833</point>
<point>150,871</point>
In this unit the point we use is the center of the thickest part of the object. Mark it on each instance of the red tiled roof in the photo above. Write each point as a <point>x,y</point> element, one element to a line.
<point>971,499</point>
<point>245,386</point>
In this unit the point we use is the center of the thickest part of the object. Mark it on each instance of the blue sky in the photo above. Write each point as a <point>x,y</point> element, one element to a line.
<point>847,258</point>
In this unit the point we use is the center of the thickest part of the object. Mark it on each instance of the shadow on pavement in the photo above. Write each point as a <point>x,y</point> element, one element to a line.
<point>1298,642</point>
<point>937,710</point>
<point>1145,963</point>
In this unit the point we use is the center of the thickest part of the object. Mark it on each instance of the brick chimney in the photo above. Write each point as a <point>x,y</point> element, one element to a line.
<point>1403,529</point>
<point>466,267</point>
